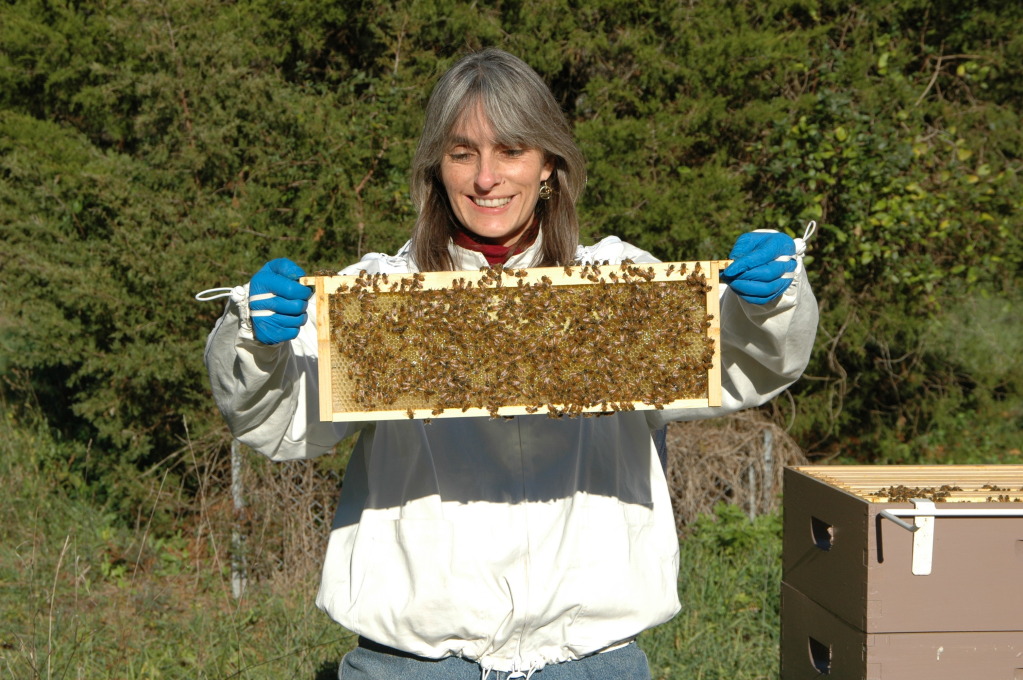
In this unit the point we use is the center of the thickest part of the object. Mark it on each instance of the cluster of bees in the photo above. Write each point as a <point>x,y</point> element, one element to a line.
<point>613,339</point>
<point>903,494</point>
<point>1002,497</point>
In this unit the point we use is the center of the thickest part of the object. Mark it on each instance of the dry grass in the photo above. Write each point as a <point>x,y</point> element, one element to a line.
<point>283,527</point>
<point>736,459</point>
<point>84,595</point>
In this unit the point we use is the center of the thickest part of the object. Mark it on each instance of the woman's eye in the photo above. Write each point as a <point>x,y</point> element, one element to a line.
<point>514,153</point>
<point>459,156</point>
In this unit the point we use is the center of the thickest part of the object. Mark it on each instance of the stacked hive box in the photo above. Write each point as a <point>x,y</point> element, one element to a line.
<point>852,606</point>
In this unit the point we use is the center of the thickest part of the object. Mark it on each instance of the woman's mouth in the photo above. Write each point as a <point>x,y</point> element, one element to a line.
<point>490,202</point>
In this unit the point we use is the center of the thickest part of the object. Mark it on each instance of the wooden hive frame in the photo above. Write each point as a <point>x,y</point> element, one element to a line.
<point>564,341</point>
<point>938,483</point>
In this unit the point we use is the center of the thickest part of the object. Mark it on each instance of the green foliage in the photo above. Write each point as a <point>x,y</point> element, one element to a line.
<point>730,588</point>
<point>87,596</point>
<point>910,161</point>
<point>148,152</point>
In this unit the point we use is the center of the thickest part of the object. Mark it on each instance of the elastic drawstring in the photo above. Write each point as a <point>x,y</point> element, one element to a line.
<point>216,293</point>
<point>257,298</point>
<point>213,294</point>
<point>511,675</point>
<point>811,227</point>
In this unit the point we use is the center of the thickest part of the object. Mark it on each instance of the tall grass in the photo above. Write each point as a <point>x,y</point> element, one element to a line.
<point>83,594</point>
<point>729,585</point>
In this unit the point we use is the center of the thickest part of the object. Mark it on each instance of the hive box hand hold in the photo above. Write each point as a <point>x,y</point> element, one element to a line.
<point>562,341</point>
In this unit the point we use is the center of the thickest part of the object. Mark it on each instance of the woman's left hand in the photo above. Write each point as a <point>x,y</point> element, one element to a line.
<point>761,260</point>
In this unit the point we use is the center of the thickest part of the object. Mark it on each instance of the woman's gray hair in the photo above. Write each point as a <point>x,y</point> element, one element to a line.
<point>522,112</point>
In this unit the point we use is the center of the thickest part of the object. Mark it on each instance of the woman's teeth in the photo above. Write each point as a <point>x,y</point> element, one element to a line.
<point>490,202</point>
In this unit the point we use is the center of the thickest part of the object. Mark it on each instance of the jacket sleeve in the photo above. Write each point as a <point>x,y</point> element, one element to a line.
<point>764,349</point>
<point>269,393</point>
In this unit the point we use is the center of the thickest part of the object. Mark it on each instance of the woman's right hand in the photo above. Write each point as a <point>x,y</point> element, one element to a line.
<point>277,302</point>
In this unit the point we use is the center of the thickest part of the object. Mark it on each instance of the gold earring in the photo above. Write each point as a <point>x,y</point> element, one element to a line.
<point>545,191</point>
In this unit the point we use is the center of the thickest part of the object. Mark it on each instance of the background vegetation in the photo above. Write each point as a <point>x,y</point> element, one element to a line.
<point>84,595</point>
<point>150,150</point>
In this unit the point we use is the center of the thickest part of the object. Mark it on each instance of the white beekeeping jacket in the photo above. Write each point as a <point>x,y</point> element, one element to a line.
<point>516,543</point>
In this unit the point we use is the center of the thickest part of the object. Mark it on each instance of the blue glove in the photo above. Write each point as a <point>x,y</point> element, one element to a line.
<point>277,302</point>
<point>761,260</point>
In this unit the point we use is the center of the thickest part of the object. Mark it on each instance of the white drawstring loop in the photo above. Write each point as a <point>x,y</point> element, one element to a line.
<point>811,228</point>
<point>213,294</point>
<point>800,242</point>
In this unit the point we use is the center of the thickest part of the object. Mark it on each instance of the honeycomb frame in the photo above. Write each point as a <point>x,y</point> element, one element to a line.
<point>415,345</point>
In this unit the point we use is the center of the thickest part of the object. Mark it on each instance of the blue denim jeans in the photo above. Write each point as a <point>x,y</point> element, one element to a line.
<point>627,663</point>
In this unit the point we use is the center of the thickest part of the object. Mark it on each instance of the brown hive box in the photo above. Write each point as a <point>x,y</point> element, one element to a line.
<point>816,644</point>
<point>565,341</point>
<point>865,597</point>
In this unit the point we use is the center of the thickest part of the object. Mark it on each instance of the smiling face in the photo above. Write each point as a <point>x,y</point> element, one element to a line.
<point>492,187</point>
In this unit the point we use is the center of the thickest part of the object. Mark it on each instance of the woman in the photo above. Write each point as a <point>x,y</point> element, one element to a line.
<point>471,547</point>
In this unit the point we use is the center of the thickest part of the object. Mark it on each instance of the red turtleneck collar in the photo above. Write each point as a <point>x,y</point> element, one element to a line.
<point>496,254</point>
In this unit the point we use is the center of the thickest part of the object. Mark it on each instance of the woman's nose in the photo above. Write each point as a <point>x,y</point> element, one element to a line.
<point>488,173</point>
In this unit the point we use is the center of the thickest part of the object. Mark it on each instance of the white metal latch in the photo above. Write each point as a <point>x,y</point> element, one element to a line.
<point>923,538</point>
<point>924,513</point>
